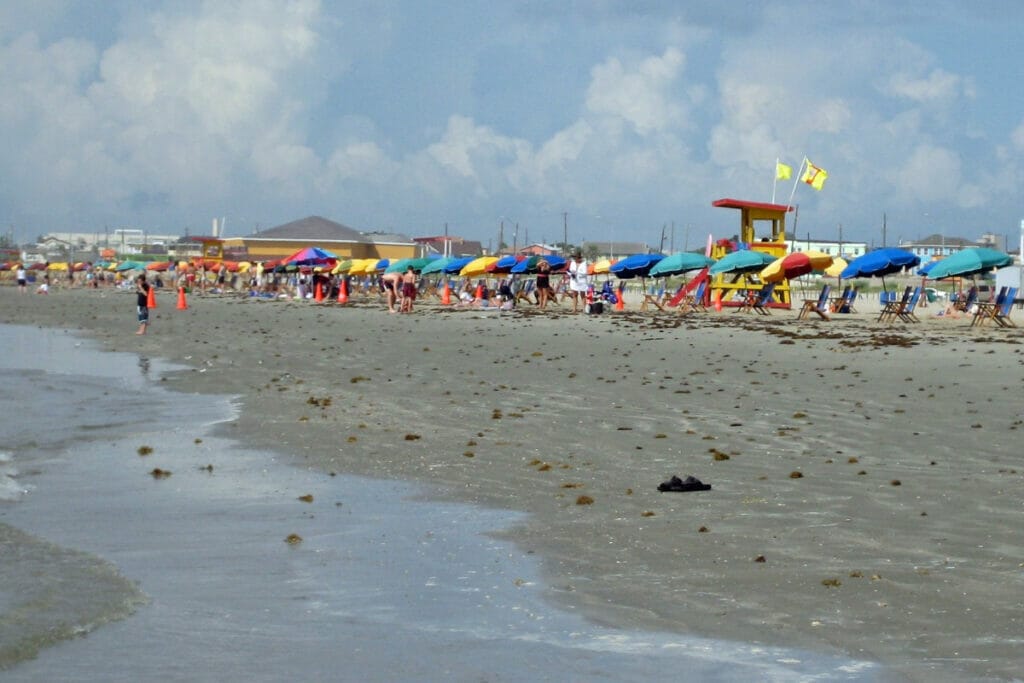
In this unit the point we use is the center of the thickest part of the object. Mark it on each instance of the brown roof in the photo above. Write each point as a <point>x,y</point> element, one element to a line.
<point>313,228</point>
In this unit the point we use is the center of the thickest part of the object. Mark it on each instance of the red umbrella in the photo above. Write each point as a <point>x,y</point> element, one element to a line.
<point>794,265</point>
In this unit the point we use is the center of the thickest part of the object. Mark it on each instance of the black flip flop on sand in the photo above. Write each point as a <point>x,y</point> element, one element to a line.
<point>688,484</point>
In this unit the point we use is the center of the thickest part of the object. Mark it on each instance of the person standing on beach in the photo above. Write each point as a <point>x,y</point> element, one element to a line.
<point>543,283</point>
<point>22,279</point>
<point>390,282</point>
<point>408,290</point>
<point>579,280</point>
<point>142,302</point>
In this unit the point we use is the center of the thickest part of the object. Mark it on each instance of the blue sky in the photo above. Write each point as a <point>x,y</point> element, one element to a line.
<point>627,117</point>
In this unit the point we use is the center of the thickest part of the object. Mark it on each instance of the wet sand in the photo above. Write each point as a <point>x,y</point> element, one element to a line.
<point>867,479</point>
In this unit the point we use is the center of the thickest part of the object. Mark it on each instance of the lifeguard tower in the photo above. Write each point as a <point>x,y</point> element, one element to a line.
<point>755,217</point>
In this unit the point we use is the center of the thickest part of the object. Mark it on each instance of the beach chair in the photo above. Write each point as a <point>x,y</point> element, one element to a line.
<point>987,309</point>
<point>844,304</point>
<point>834,305</point>
<point>964,303</point>
<point>694,301</point>
<point>906,313</point>
<point>653,297</point>
<point>819,305</point>
<point>891,308</point>
<point>759,301</point>
<point>1001,314</point>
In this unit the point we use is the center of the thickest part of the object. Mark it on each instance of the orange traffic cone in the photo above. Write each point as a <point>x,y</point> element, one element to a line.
<point>343,291</point>
<point>718,300</point>
<point>319,295</point>
<point>151,297</point>
<point>446,296</point>
<point>620,305</point>
<point>479,294</point>
<point>182,303</point>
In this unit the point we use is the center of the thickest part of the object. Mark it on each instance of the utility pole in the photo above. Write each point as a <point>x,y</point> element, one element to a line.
<point>565,233</point>
<point>883,229</point>
<point>447,243</point>
<point>661,245</point>
<point>840,239</point>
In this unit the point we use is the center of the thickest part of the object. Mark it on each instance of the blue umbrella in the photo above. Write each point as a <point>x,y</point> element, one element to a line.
<point>743,261</point>
<point>680,263</point>
<point>455,265</point>
<point>879,263</point>
<point>637,265</point>
<point>530,265</point>
<point>969,262</point>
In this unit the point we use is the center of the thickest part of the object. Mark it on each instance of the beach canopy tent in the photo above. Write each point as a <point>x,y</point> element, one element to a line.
<point>742,261</point>
<point>311,256</point>
<point>879,263</point>
<point>968,263</point>
<point>679,263</point>
<point>794,265</point>
<point>477,266</point>
<point>636,265</point>
<point>529,266</point>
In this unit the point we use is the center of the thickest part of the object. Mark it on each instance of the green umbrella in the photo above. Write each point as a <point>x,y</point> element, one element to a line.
<point>969,262</point>
<point>743,261</point>
<point>680,263</point>
<point>435,266</point>
<point>401,265</point>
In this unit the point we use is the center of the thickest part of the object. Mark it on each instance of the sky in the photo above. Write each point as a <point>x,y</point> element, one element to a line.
<point>600,120</point>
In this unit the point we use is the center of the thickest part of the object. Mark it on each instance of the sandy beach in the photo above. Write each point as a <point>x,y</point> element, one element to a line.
<point>867,482</point>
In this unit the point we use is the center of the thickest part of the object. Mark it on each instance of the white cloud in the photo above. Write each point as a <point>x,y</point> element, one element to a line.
<point>641,93</point>
<point>937,85</point>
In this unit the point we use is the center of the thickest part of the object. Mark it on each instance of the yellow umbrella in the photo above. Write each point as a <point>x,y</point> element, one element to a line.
<point>838,265</point>
<point>794,265</point>
<point>477,266</point>
<point>57,266</point>
<point>602,266</point>
<point>368,266</point>
<point>244,266</point>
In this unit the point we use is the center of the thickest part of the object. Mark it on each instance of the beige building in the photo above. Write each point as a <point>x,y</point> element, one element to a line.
<point>312,231</point>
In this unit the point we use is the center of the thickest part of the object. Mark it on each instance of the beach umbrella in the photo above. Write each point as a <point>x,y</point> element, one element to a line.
<point>455,266</point>
<point>311,256</point>
<point>158,266</point>
<point>59,265</point>
<point>879,263</point>
<point>837,267</point>
<point>381,264</point>
<point>677,264</point>
<point>969,262</point>
<point>368,265</point>
<point>603,266</point>
<point>436,265</point>
<point>505,264</point>
<point>794,265</point>
<point>401,265</point>
<point>477,266</point>
<point>743,261</point>
<point>529,266</point>
<point>129,265</point>
<point>637,265</point>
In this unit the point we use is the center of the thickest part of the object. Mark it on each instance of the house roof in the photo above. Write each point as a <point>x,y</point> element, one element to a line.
<point>313,228</point>
<point>937,239</point>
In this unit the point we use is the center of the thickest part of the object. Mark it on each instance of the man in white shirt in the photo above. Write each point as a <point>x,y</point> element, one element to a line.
<point>579,280</point>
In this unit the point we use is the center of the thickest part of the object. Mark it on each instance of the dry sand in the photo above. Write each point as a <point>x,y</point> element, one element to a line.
<point>868,483</point>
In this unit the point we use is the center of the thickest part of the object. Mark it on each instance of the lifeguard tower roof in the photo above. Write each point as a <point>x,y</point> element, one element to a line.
<point>743,204</point>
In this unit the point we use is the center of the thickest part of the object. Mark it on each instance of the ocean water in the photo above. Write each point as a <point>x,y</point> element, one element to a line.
<point>108,573</point>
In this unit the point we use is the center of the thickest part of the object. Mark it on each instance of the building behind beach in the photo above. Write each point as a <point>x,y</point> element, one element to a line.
<point>314,231</point>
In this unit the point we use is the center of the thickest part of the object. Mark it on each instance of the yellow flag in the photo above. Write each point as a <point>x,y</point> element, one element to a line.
<point>783,171</point>
<point>814,176</point>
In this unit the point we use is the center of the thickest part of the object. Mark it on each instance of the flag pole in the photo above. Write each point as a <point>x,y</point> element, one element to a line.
<point>796,180</point>
<point>775,178</point>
